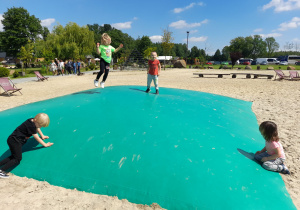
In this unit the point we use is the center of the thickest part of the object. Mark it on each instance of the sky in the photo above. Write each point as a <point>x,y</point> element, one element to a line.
<point>212,24</point>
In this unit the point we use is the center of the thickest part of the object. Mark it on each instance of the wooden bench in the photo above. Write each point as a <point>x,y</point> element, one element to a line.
<point>248,75</point>
<point>202,74</point>
<point>263,75</point>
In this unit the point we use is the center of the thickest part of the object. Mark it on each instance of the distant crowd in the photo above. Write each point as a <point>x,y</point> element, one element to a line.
<point>59,67</point>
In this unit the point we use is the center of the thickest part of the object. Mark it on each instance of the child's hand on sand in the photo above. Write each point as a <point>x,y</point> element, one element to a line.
<point>49,144</point>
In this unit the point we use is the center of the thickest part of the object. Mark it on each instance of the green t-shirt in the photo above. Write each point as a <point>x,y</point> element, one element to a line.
<point>106,52</point>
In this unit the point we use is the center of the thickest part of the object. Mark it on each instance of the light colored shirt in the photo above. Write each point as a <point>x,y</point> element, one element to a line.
<point>270,145</point>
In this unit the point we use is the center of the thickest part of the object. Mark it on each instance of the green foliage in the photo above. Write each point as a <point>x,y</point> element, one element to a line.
<point>143,43</point>
<point>69,42</point>
<point>4,72</point>
<point>167,41</point>
<point>19,27</point>
<point>195,52</point>
<point>272,46</point>
<point>92,66</point>
<point>148,51</point>
<point>15,74</point>
<point>26,53</point>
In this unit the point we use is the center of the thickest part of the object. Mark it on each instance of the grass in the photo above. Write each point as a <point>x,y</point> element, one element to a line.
<point>254,67</point>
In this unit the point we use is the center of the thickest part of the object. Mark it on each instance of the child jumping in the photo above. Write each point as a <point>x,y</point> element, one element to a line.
<point>272,155</point>
<point>153,72</point>
<point>19,137</point>
<point>105,50</point>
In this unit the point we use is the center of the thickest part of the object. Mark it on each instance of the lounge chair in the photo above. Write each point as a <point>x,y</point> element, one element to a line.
<point>281,75</point>
<point>8,86</point>
<point>294,75</point>
<point>40,76</point>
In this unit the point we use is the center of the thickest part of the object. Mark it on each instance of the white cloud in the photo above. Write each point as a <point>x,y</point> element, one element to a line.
<point>183,24</point>
<point>1,25</point>
<point>193,31</point>
<point>196,39</point>
<point>294,23</point>
<point>282,5</point>
<point>179,10</point>
<point>47,22</point>
<point>156,38</point>
<point>270,35</point>
<point>135,18</point>
<point>296,40</point>
<point>258,30</point>
<point>120,26</point>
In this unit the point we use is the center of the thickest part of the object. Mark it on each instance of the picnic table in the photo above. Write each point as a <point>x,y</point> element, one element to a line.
<point>220,75</point>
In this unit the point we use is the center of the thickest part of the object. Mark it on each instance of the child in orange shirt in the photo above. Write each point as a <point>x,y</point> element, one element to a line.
<point>153,72</point>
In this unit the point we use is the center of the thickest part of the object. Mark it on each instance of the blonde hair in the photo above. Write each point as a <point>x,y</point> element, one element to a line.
<point>42,119</point>
<point>105,39</point>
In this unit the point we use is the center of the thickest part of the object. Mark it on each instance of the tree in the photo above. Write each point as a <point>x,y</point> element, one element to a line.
<point>167,42</point>
<point>71,41</point>
<point>272,46</point>
<point>19,27</point>
<point>195,52</point>
<point>217,56</point>
<point>143,43</point>
<point>258,47</point>
<point>45,33</point>
<point>148,51</point>
<point>234,56</point>
<point>26,53</point>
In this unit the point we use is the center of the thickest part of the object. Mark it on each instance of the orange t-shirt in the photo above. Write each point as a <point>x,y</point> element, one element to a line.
<point>153,66</point>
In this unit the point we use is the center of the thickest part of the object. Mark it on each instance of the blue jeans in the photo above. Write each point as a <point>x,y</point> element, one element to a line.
<point>155,80</point>
<point>271,165</point>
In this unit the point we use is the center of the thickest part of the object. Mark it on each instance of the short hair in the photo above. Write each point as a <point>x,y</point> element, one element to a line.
<point>269,131</point>
<point>105,39</point>
<point>42,119</point>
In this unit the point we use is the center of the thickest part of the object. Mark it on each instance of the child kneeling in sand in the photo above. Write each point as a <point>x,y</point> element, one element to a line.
<point>272,155</point>
<point>19,137</point>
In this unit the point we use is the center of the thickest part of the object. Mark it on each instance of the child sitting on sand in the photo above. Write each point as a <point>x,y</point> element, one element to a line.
<point>153,72</point>
<point>19,137</point>
<point>272,155</point>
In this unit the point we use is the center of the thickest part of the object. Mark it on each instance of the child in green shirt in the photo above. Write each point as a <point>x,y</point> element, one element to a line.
<point>105,50</point>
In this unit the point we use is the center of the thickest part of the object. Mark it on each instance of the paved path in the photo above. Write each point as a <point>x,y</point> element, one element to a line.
<point>30,79</point>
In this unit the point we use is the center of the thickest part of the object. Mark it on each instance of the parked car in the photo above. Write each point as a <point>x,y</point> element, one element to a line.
<point>283,63</point>
<point>217,62</point>
<point>209,63</point>
<point>246,63</point>
<point>273,61</point>
<point>253,63</point>
<point>263,63</point>
<point>225,63</point>
<point>297,63</point>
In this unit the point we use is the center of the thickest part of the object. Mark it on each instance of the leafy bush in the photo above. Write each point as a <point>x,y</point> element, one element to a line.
<point>15,74</point>
<point>92,66</point>
<point>4,72</point>
<point>18,65</point>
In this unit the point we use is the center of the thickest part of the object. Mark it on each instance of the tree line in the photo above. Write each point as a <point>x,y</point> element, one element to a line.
<point>25,38</point>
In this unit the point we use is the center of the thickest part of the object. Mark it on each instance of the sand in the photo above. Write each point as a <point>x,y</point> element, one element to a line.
<point>272,100</point>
